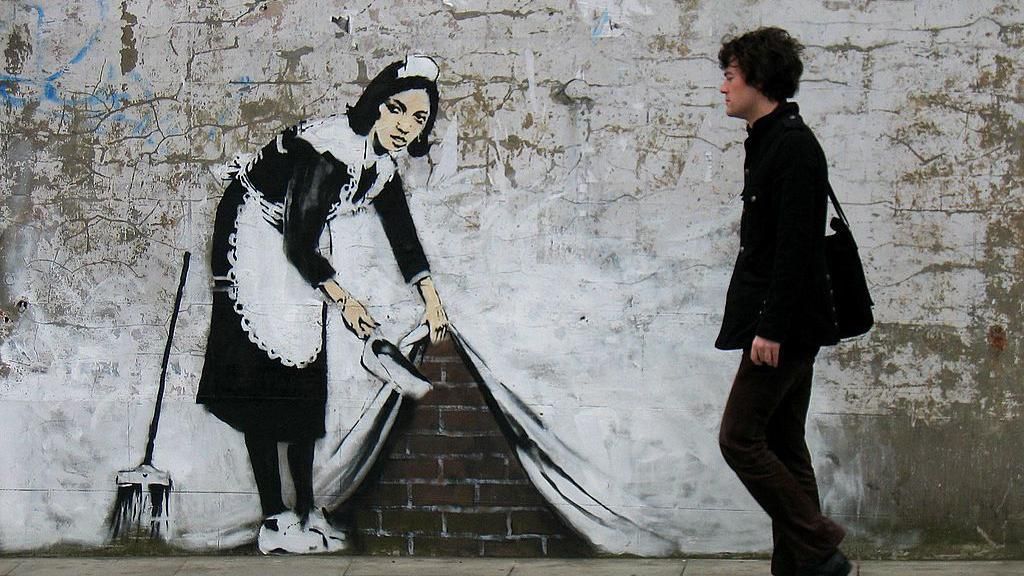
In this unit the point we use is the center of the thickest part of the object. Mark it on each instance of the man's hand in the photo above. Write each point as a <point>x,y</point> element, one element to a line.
<point>764,351</point>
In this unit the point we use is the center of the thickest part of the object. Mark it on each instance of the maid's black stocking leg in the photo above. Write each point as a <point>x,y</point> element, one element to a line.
<point>266,468</point>
<point>300,460</point>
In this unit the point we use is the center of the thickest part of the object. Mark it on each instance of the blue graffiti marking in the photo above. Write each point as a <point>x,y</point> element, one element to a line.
<point>7,97</point>
<point>602,22</point>
<point>50,91</point>
<point>106,107</point>
<point>245,83</point>
<point>88,44</point>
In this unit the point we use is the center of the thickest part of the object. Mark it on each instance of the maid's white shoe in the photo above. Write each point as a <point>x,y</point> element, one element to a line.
<point>334,539</point>
<point>285,533</point>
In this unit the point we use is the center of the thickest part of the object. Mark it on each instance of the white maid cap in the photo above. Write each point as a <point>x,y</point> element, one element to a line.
<point>419,65</point>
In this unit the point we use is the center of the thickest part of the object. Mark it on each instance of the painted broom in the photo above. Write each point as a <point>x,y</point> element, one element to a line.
<point>142,509</point>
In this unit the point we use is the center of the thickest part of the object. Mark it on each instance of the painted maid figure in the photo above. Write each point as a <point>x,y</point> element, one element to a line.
<point>276,272</point>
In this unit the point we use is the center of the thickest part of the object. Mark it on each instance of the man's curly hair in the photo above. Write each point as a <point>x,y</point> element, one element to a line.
<point>769,59</point>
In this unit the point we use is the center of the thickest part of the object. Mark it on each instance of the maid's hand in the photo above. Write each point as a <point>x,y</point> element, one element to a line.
<point>435,317</point>
<point>357,318</point>
<point>437,321</point>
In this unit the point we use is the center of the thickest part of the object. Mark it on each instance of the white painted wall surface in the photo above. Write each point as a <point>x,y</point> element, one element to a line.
<point>581,215</point>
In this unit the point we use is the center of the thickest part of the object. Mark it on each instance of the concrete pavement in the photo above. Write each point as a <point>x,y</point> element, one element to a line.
<point>382,566</point>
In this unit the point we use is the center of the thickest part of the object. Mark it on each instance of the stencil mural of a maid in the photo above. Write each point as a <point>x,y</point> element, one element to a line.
<point>292,234</point>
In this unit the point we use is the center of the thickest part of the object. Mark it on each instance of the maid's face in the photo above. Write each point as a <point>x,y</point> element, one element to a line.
<point>402,118</point>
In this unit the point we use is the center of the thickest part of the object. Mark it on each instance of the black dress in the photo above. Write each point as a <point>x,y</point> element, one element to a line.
<point>297,184</point>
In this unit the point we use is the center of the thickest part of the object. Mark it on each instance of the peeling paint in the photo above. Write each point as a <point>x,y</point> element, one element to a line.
<point>910,465</point>
<point>129,54</point>
<point>261,10</point>
<point>997,338</point>
<point>344,24</point>
<point>292,58</point>
<point>18,49</point>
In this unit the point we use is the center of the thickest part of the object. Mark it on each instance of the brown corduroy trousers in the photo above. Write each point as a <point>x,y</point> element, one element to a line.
<point>762,439</point>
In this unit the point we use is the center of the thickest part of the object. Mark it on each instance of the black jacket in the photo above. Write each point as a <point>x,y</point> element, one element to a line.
<point>779,289</point>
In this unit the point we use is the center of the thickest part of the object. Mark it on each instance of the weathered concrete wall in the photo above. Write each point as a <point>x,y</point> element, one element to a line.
<point>583,193</point>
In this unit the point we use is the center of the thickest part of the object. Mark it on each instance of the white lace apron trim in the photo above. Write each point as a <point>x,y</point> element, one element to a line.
<point>280,312</point>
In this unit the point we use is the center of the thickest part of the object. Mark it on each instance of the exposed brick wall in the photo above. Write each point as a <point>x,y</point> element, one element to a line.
<point>449,484</point>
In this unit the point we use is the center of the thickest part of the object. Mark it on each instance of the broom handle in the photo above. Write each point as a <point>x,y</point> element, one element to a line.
<point>148,460</point>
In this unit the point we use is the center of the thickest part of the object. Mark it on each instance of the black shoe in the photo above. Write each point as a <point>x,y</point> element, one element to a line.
<point>835,565</point>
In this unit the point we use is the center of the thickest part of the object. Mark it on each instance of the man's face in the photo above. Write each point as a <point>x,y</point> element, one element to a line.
<point>402,118</point>
<point>741,99</point>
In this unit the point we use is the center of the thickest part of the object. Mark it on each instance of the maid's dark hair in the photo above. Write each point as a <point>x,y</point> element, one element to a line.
<point>366,111</point>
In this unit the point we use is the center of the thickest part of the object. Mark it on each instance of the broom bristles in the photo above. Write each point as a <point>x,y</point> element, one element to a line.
<point>142,507</point>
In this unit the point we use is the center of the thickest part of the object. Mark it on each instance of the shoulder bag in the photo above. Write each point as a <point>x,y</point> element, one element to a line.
<point>850,297</point>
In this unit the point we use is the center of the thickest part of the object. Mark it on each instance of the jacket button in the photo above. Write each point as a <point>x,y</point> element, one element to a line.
<point>753,198</point>
<point>741,249</point>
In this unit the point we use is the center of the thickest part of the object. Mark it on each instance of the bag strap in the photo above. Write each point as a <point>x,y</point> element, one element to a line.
<point>835,204</point>
<point>842,217</point>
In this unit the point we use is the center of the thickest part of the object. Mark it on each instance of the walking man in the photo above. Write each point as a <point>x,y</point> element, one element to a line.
<point>778,308</point>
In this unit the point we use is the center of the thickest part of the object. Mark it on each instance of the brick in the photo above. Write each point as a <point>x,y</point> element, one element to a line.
<point>447,368</point>
<point>397,445</point>
<point>569,546</point>
<point>434,367</point>
<point>443,494</point>
<point>456,547</point>
<point>403,521</point>
<point>424,418</point>
<point>433,370</point>
<point>476,468</point>
<point>385,495</point>
<point>509,495</point>
<point>443,349</point>
<point>520,548</point>
<point>536,522</point>
<point>411,469</point>
<point>492,523</point>
<point>366,518</point>
<point>467,395</point>
<point>383,545</point>
<point>457,373</point>
<point>450,445</point>
<point>468,421</point>
<point>515,469</point>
